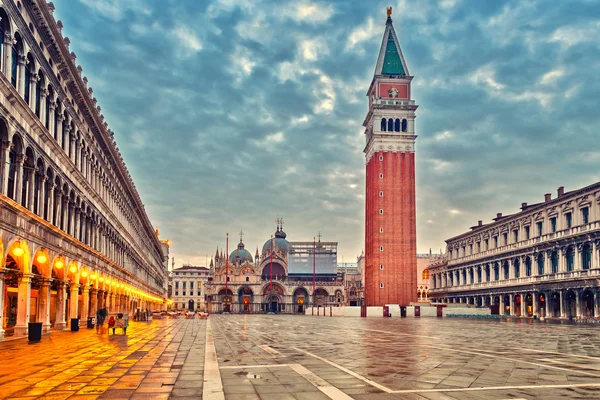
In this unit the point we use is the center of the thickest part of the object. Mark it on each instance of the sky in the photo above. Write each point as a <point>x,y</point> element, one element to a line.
<point>231,113</point>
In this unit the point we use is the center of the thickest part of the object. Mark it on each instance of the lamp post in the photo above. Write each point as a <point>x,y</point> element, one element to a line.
<point>314,267</point>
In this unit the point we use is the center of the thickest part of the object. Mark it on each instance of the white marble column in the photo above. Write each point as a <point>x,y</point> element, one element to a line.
<point>32,86</point>
<point>24,301</point>
<point>94,303</point>
<point>51,121</point>
<point>58,128</point>
<point>562,303</point>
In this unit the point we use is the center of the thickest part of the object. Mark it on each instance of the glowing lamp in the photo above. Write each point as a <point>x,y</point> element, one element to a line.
<point>18,251</point>
<point>42,258</point>
<point>83,274</point>
<point>114,283</point>
<point>73,269</point>
<point>108,281</point>
<point>101,279</point>
<point>93,276</point>
<point>59,264</point>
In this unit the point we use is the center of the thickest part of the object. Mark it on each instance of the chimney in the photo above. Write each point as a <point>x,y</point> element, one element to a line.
<point>499,215</point>
<point>561,191</point>
<point>479,223</point>
<point>523,206</point>
<point>547,197</point>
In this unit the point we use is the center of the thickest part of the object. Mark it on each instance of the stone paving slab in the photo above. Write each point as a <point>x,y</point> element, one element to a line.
<point>301,357</point>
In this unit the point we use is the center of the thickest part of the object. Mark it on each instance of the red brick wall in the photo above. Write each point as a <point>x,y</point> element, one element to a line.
<point>399,237</point>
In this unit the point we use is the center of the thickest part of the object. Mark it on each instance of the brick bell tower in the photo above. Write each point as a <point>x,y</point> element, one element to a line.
<point>390,218</point>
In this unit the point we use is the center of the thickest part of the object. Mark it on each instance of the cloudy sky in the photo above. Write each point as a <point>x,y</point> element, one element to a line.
<point>230,113</point>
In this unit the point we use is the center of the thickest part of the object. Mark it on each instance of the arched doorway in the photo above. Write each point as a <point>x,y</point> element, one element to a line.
<point>273,298</point>
<point>320,297</point>
<point>587,303</point>
<point>542,305</point>
<point>519,306</point>
<point>246,296</point>
<point>226,296</point>
<point>555,305</point>
<point>527,310</point>
<point>191,305</point>
<point>300,300</point>
<point>571,303</point>
<point>507,309</point>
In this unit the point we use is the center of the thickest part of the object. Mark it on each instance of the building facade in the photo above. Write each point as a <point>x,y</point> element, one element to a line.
<point>188,285</point>
<point>279,279</point>
<point>390,217</point>
<point>74,235</point>
<point>543,261</point>
<point>351,274</point>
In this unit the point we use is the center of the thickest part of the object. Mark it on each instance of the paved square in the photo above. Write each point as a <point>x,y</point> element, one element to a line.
<point>282,357</point>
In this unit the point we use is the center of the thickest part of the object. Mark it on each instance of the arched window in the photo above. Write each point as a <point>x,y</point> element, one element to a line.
<point>17,50</point>
<point>528,266</point>
<point>570,258</point>
<point>425,275</point>
<point>586,256</point>
<point>383,124</point>
<point>517,267</point>
<point>540,263</point>
<point>390,125</point>
<point>554,261</point>
<point>49,183</point>
<point>12,167</point>
<point>37,179</point>
<point>397,125</point>
<point>404,125</point>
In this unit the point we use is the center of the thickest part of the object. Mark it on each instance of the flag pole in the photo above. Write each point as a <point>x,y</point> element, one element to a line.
<point>227,264</point>
<point>314,266</point>
<point>271,268</point>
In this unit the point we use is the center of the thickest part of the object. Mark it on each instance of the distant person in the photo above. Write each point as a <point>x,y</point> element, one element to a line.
<point>100,318</point>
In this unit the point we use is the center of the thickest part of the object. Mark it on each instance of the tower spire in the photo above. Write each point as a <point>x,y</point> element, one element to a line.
<point>390,60</point>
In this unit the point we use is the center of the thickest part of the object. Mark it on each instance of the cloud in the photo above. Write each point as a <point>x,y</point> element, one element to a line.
<point>212,102</point>
<point>187,41</point>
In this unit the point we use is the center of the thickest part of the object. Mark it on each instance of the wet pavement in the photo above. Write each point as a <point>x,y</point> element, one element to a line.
<point>281,357</point>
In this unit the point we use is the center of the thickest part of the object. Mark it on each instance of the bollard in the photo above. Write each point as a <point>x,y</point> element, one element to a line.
<point>330,311</point>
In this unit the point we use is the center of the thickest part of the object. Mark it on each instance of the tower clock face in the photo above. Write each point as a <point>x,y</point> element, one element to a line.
<point>393,92</point>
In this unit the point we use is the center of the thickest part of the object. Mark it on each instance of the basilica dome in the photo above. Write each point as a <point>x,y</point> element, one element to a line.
<point>240,254</point>
<point>280,245</point>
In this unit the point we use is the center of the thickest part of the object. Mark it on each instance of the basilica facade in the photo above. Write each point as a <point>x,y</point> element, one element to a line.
<point>74,235</point>
<point>277,279</point>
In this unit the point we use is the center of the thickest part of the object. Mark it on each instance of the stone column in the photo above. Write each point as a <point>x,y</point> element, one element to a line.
<point>94,304</point>
<point>31,186</point>
<point>19,179</point>
<point>72,219</point>
<point>596,303</point>
<point>51,121</point>
<point>595,260</point>
<point>44,306</point>
<point>562,303</point>
<point>65,212</point>
<point>58,129</point>
<point>85,303</point>
<point>43,99</point>
<point>57,207</point>
<point>21,74</point>
<point>7,51</point>
<point>40,194</point>
<point>502,307</point>
<point>534,305</point>
<point>578,303</point>
<point>74,300</point>
<point>72,147</point>
<point>61,295</point>
<point>512,304</point>
<point>6,146</point>
<point>547,302</point>
<point>101,299</point>
<point>523,305</point>
<point>32,84</point>
<point>24,301</point>
<point>50,212</point>
<point>77,229</point>
<point>2,304</point>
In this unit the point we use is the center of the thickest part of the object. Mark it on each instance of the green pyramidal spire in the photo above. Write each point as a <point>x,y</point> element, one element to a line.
<point>391,62</point>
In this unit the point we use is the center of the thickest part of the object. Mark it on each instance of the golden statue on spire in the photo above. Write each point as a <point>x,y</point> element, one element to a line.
<point>389,11</point>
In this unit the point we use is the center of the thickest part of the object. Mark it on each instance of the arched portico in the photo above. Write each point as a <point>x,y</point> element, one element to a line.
<point>300,300</point>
